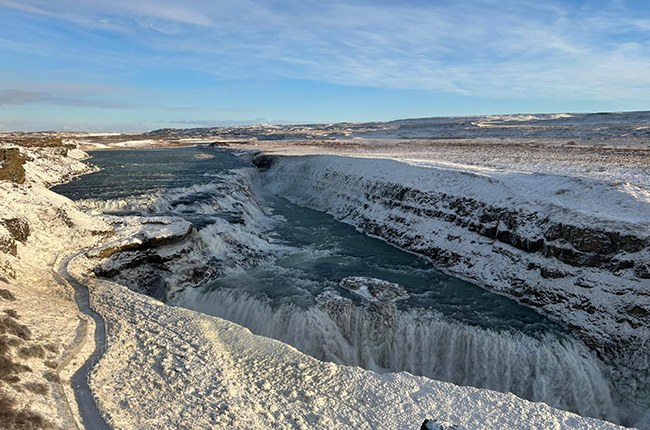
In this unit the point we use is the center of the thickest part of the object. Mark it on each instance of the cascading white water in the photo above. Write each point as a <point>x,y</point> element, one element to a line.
<point>119,204</point>
<point>235,231</point>
<point>561,373</point>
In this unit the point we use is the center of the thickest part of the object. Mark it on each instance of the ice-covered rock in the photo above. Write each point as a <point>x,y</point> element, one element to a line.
<point>435,425</point>
<point>374,289</point>
<point>142,233</point>
<point>152,255</point>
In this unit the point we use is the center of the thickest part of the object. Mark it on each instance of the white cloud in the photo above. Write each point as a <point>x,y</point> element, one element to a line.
<point>520,49</point>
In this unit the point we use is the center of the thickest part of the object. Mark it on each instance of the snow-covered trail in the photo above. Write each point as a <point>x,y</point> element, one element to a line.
<point>90,415</point>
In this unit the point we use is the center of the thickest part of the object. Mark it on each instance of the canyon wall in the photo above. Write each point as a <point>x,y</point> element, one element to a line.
<point>576,249</point>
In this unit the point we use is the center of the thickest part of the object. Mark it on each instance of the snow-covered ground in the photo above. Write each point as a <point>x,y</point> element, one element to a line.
<point>42,225</point>
<point>168,367</point>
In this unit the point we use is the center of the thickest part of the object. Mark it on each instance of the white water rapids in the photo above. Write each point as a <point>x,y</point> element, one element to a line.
<point>561,373</point>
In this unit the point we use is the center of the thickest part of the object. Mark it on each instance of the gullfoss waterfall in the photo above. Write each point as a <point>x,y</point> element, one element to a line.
<point>279,269</point>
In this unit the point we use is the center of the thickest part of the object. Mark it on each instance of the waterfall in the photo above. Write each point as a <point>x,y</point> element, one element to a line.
<point>235,230</point>
<point>559,372</point>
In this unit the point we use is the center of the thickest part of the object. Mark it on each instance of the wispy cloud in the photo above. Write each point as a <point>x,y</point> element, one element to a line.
<point>225,123</point>
<point>73,126</point>
<point>480,48</point>
<point>18,97</point>
<point>487,49</point>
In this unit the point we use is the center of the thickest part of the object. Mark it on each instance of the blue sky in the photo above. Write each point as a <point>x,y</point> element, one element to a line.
<point>127,65</point>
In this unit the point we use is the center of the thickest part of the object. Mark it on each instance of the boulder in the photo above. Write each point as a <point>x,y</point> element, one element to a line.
<point>435,425</point>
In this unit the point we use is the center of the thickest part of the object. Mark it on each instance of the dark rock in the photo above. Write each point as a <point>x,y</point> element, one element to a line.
<point>8,246</point>
<point>63,216</point>
<point>586,306</point>
<point>11,165</point>
<point>7,271</point>
<point>489,231</point>
<point>630,243</point>
<point>622,264</point>
<point>529,245</point>
<point>552,273</point>
<point>263,161</point>
<point>435,425</point>
<point>643,271</point>
<point>10,326</point>
<point>593,242</point>
<point>638,310</point>
<point>18,228</point>
<point>585,283</point>
<point>505,236</point>
<point>532,266</point>
<point>7,295</point>
<point>573,257</point>
<point>376,289</point>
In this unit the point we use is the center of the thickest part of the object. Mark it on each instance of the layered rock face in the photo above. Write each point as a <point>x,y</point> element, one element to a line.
<point>575,249</point>
<point>152,255</point>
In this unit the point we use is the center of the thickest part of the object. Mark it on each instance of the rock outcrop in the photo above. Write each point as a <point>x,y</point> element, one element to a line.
<point>152,255</point>
<point>435,425</point>
<point>11,165</point>
<point>374,289</point>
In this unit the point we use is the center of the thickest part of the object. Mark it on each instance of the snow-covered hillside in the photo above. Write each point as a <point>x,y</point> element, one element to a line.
<point>42,334</point>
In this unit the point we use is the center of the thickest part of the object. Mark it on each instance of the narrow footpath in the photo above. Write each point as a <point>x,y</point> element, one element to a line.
<point>90,416</point>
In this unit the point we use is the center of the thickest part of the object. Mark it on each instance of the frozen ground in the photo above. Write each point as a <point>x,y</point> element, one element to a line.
<point>37,225</point>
